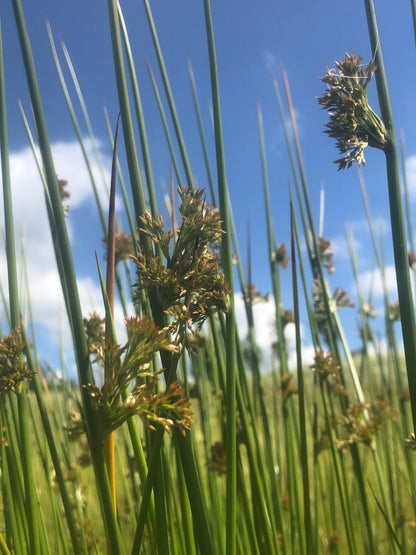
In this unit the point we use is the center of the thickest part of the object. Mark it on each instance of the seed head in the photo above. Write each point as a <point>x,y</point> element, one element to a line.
<point>352,122</point>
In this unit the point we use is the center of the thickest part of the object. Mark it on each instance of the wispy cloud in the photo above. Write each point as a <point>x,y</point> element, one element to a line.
<point>270,61</point>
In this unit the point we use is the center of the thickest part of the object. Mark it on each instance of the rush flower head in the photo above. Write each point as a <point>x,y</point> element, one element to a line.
<point>411,442</point>
<point>369,310</point>
<point>94,330</point>
<point>326,254</point>
<point>352,122</point>
<point>253,295</point>
<point>188,278</point>
<point>286,387</point>
<point>13,368</point>
<point>325,366</point>
<point>339,299</point>
<point>363,420</point>
<point>394,311</point>
<point>132,371</point>
<point>124,247</point>
<point>281,256</point>
<point>218,460</point>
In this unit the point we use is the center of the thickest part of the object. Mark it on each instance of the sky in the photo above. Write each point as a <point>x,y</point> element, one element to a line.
<point>252,39</point>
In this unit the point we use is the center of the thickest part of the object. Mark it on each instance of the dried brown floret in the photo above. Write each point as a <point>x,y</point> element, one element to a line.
<point>281,256</point>
<point>325,366</point>
<point>218,460</point>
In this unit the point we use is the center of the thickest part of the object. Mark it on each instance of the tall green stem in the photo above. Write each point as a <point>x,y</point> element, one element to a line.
<point>231,446</point>
<point>396,211</point>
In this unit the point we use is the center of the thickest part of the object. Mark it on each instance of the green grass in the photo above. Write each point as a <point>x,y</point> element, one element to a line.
<point>270,461</point>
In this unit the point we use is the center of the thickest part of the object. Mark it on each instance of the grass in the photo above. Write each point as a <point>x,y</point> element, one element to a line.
<point>190,446</point>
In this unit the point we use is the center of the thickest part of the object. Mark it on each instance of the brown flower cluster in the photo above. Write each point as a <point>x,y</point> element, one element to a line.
<point>362,421</point>
<point>188,280</point>
<point>253,295</point>
<point>326,256</point>
<point>287,388</point>
<point>124,246</point>
<point>339,299</point>
<point>13,368</point>
<point>352,122</point>
<point>218,460</point>
<point>325,366</point>
<point>281,256</point>
<point>130,389</point>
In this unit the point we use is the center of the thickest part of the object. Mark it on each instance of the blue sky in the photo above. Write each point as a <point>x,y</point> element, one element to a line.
<point>251,37</point>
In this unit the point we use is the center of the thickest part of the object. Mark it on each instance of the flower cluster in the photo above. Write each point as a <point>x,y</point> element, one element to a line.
<point>281,256</point>
<point>130,389</point>
<point>325,366</point>
<point>338,300</point>
<point>124,246</point>
<point>411,442</point>
<point>325,255</point>
<point>362,421</point>
<point>394,312</point>
<point>94,330</point>
<point>352,122</point>
<point>218,461</point>
<point>13,368</point>
<point>188,279</point>
<point>253,295</point>
<point>287,388</point>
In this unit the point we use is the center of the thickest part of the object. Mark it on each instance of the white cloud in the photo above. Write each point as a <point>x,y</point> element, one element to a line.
<point>371,283</point>
<point>265,328</point>
<point>307,353</point>
<point>70,165</point>
<point>411,174</point>
<point>32,230</point>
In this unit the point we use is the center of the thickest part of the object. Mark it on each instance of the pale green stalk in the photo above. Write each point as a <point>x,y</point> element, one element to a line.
<point>140,118</point>
<point>396,211</point>
<point>302,412</point>
<point>169,95</point>
<point>231,508</point>
<point>409,220</point>
<point>201,134</point>
<point>86,116</point>
<point>75,121</point>
<point>165,127</point>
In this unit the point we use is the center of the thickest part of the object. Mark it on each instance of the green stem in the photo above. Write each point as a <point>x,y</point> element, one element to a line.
<point>396,212</point>
<point>231,430</point>
<point>302,409</point>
